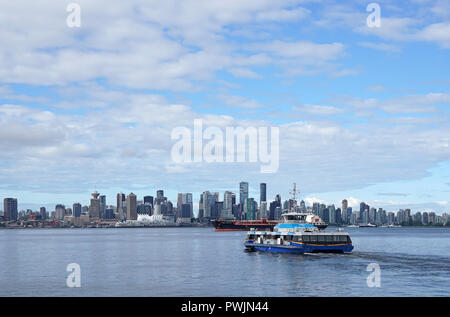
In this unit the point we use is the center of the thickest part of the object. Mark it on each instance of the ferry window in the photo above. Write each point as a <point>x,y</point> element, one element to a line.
<point>335,238</point>
<point>321,238</point>
<point>306,238</point>
<point>349,240</point>
<point>289,238</point>
<point>343,238</point>
<point>328,238</point>
<point>313,238</point>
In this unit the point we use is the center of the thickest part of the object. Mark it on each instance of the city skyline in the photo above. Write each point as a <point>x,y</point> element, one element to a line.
<point>363,112</point>
<point>255,194</point>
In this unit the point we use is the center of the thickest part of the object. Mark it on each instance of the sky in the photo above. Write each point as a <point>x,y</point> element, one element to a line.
<point>363,112</point>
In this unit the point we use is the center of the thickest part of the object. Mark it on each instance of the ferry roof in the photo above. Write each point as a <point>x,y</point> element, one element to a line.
<point>294,225</point>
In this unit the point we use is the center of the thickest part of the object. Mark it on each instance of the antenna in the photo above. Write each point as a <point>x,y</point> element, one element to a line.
<point>294,197</point>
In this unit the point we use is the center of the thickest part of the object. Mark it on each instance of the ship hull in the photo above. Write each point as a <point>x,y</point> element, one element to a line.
<point>300,248</point>
<point>224,225</point>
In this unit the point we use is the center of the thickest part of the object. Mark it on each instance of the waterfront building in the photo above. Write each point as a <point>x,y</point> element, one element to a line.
<point>121,206</point>
<point>263,210</point>
<point>148,200</point>
<point>60,212</point>
<point>243,194</point>
<point>160,195</point>
<point>184,199</point>
<point>278,213</point>
<point>217,209</point>
<point>10,209</point>
<point>372,215</point>
<point>425,218</point>
<point>227,211</point>
<point>249,209</point>
<point>349,214</point>
<point>315,208</point>
<point>109,213</point>
<point>76,210</point>
<point>43,213</point>
<point>200,207</point>
<point>131,207</point>
<point>432,218</point>
<point>94,208</point>
<point>331,214</point>
<point>344,211</point>
<point>102,199</point>
<point>302,206</point>
<point>417,218</point>
<point>209,204</point>
<point>262,192</point>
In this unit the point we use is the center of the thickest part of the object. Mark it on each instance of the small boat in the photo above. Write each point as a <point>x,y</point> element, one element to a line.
<point>368,225</point>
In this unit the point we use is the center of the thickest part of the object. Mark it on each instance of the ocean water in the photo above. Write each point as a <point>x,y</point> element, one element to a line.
<point>201,262</point>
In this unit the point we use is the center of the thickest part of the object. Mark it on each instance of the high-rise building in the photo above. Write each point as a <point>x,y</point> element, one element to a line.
<point>250,210</point>
<point>43,213</point>
<point>243,194</point>
<point>121,206</point>
<point>332,214</point>
<point>148,200</point>
<point>102,206</point>
<point>60,211</point>
<point>10,209</point>
<point>76,210</point>
<point>131,207</point>
<point>94,208</point>
<point>344,211</point>
<point>262,192</point>
<point>227,210</point>
<point>209,204</point>
<point>182,215</point>
<point>263,214</point>
<point>302,206</point>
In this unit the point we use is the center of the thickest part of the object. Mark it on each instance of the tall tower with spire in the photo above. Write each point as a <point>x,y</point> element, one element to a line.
<point>94,208</point>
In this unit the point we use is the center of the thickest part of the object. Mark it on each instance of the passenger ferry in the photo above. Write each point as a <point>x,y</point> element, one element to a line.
<point>294,234</point>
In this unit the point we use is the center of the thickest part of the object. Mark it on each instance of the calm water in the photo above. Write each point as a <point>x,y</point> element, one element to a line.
<point>201,262</point>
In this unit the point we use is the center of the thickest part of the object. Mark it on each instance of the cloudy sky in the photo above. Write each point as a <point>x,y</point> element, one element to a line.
<point>363,112</point>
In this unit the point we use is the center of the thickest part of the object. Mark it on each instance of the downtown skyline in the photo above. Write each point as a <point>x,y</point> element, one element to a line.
<point>363,112</point>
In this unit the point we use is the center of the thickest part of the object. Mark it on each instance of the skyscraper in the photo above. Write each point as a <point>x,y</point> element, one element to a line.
<point>60,211</point>
<point>184,199</point>
<point>227,211</point>
<point>148,200</point>
<point>94,208</point>
<point>249,210</point>
<point>76,210</point>
<point>209,204</point>
<point>131,207</point>
<point>43,213</point>
<point>344,210</point>
<point>102,206</point>
<point>262,192</point>
<point>243,194</point>
<point>120,206</point>
<point>10,208</point>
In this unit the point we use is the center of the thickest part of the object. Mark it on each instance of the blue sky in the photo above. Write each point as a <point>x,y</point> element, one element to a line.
<point>363,112</point>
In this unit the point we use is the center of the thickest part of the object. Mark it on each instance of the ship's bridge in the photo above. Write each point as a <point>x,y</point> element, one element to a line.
<point>294,217</point>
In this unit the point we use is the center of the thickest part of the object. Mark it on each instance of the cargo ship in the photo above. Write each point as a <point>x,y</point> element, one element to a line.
<point>244,225</point>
